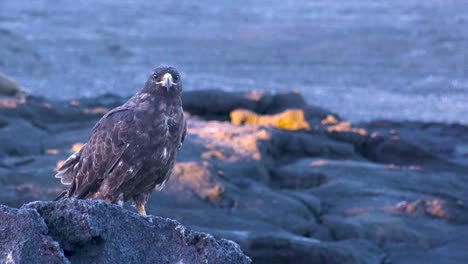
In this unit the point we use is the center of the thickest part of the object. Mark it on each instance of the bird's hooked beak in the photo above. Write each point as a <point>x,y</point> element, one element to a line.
<point>167,81</point>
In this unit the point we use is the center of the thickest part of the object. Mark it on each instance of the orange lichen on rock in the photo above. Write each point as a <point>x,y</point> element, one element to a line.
<point>214,194</point>
<point>329,120</point>
<point>96,110</point>
<point>213,154</point>
<point>228,142</point>
<point>410,167</point>
<point>8,103</point>
<point>74,103</point>
<point>12,103</point>
<point>52,151</point>
<point>434,208</point>
<point>318,163</point>
<point>197,178</point>
<point>46,105</point>
<point>59,165</point>
<point>76,147</point>
<point>415,167</point>
<point>344,126</point>
<point>291,119</point>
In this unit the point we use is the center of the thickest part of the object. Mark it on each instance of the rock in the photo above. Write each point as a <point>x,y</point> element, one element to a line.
<point>297,176</point>
<point>21,138</point>
<point>391,229</point>
<point>285,144</point>
<point>400,152</point>
<point>291,119</point>
<point>9,87</point>
<point>216,103</point>
<point>334,193</point>
<point>380,142</point>
<point>24,238</point>
<point>279,248</point>
<point>446,141</point>
<point>313,203</point>
<point>81,231</point>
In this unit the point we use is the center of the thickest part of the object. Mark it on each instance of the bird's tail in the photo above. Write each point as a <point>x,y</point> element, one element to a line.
<point>66,173</point>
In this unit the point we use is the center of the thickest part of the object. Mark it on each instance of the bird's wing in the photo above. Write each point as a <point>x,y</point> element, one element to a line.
<point>68,169</point>
<point>184,133</point>
<point>111,112</point>
<point>107,144</point>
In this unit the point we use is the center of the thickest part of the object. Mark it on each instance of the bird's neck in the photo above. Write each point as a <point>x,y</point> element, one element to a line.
<point>147,101</point>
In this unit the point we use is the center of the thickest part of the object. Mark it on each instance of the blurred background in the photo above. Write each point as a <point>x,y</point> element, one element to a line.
<point>290,178</point>
<point>401,59</point>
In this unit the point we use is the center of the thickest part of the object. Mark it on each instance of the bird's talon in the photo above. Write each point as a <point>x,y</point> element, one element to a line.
<point>141,210</point>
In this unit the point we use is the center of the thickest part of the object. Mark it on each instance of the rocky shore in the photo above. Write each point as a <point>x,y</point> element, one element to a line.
<point>288,181</point>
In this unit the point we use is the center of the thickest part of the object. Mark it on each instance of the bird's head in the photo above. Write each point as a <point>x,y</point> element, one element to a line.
<point>164,80</point>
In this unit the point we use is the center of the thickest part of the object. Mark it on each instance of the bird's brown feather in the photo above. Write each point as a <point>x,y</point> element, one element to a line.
<point>132,149</point>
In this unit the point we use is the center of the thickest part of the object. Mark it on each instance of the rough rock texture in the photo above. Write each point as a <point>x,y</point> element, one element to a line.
<point>79,231</point>
<point>331,192</point>
<point>24,238</point>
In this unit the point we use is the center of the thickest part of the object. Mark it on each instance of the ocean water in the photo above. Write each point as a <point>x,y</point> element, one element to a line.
<point>364,59</point>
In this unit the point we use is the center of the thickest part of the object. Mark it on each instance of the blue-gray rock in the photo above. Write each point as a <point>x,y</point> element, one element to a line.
<point>8,86</point>
<point>84,231</point>
<point>24,238</point>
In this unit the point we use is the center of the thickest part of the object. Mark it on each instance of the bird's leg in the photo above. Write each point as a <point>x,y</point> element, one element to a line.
<point>140,201</point>
<point>141,209</point>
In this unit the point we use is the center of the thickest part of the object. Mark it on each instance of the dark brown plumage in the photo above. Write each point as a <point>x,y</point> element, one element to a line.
<point>132,149</point>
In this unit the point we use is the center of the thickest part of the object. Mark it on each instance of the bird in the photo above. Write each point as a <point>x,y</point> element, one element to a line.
<point>132,149</point>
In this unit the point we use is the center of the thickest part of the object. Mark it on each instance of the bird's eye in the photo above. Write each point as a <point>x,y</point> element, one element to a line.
<point>155,77</point>
<point>176,78</point>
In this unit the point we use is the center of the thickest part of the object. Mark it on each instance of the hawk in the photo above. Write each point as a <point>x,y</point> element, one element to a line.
<point>132,149</point>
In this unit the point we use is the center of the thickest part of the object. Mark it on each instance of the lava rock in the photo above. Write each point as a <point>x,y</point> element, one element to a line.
<point>8,86</point>
<point>98,232</point>
<point>336,192</point>
<point>24,238</point>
